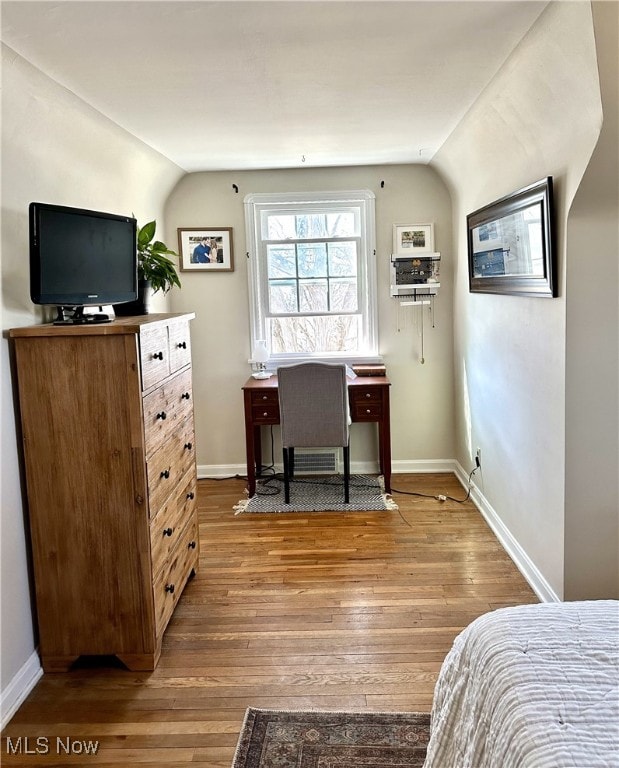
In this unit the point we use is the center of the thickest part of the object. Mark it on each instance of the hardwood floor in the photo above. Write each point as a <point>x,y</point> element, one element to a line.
<point>331,611</point>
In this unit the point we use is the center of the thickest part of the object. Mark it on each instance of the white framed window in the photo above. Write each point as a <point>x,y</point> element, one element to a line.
<point>312,275</point>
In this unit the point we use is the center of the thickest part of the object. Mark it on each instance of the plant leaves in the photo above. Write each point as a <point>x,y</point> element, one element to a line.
<point>146,234</point>
<point>153,262</point>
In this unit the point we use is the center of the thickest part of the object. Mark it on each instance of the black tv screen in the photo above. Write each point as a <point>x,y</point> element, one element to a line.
<point>81,258</point>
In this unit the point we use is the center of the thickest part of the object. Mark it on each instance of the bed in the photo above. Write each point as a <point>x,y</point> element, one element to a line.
<point>535,686</point>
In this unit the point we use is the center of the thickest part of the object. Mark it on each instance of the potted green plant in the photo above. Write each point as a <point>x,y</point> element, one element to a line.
<point>156,272</point>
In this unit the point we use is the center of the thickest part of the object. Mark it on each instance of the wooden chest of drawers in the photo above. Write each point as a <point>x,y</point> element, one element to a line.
<point>107,421</point>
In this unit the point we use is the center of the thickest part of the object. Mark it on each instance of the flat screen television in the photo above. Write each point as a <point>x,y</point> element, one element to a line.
<point>81,258</point>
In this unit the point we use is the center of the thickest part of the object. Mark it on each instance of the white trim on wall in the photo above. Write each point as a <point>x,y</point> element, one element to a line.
<point>14,695</point>
<point>220,471</point>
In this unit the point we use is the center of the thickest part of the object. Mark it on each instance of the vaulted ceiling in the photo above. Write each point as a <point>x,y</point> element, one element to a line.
<point>241,85</point>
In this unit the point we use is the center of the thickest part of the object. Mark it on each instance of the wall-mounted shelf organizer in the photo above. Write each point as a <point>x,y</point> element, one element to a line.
<point>415,271</point>
<point>415,278</point>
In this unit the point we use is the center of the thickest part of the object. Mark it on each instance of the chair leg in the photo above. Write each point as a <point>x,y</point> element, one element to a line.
<point>286,477</point>
<point>346,474</point>
<point>291,463</point>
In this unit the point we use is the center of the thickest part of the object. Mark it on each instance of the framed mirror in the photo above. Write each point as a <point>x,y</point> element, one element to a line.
<point>511,244</point>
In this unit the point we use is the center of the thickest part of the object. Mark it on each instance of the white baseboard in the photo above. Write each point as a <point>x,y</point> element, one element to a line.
<point>18,689</point>
<point>423,465</point>
<point>220,471</point>
<point>356,467</point>
<point>508,541</point>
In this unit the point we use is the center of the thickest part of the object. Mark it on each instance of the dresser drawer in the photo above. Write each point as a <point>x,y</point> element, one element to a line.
<point>166,467</point>
<point>169,522</point>
<point>169,584</point>
<point>154,355</point>
<point>165,409</point>
<point>366,403</point>
<point>179,345</point>
<point>265,407</point>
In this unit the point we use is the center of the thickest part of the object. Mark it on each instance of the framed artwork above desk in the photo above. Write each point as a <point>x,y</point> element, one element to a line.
<point>369,402</point>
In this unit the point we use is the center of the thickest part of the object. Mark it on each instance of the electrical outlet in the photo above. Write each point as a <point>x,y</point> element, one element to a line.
<point>478,458</point>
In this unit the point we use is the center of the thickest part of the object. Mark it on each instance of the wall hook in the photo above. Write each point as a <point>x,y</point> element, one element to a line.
<point>235,188</point>
<point>382,184</point>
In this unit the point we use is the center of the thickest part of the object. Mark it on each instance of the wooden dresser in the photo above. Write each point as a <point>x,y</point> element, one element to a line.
<point>108,435</point>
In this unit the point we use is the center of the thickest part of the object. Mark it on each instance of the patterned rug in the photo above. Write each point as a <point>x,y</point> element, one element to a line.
<point>272,739</point>
<point>319,494</point>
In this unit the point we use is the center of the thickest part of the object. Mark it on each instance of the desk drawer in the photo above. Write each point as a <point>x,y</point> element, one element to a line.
<point>265,407</point>
<point>366,403</point>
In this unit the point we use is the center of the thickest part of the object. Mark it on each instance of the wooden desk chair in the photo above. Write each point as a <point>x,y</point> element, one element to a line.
<point>313,407</point>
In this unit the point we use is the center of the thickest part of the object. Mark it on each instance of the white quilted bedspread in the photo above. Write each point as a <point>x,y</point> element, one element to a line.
<point>536,686</point>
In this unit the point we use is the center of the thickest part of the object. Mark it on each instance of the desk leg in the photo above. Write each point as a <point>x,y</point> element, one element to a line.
<point>384,439</point>
<point>250,446</point>
<point>253,447</point>
<point>258,450</point>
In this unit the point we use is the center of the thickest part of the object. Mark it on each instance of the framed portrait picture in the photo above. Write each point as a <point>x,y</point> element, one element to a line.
<point>206,249</point>
<point>413,238</point>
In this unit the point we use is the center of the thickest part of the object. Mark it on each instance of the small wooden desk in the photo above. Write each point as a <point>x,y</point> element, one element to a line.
<point>369,401</point>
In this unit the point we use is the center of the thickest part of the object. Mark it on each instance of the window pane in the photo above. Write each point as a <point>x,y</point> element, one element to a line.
<point>341,224</point>
<point>283,296</point>
<point>343,259</point>
<point>311,225</point>
<point>334,333</point>
<point>343,295</point>
<point>312,260</point>
<point>281,261</point>
<point>314,295</point>
<point>280,227</point>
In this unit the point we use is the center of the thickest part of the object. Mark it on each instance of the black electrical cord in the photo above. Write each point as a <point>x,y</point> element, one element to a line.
<point>440,497</point>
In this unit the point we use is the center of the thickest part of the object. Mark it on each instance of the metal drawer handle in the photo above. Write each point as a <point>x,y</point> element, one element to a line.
<point>169,588</point>
<point>264,397</point>
<point>165,474</point>
<point>162,415</point>
<point>188,446</point>
<point>368,411</point>
<point>185,396</point>
<point>367,394</point>
<point>182,345</point>
<point>192,545</point>
<point>157,355</point>
<point>168,531</point>
<point>266,413</point>
<point>191,495</point>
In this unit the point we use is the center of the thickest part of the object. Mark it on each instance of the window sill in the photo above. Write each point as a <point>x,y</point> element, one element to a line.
<point>275,361</point>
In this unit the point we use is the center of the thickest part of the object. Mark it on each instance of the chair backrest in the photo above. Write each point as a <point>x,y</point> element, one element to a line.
<point>313,405</point>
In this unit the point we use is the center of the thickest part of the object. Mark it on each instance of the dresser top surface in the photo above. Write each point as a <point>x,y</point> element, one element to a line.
<point>120,325</point>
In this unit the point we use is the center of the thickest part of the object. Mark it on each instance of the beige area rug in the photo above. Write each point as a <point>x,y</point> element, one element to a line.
<point>319,494</point>
<point>274,739</point>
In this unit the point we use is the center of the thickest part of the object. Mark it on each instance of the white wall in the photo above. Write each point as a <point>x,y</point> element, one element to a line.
<point>54,149</point>
<point>592,348</point>
<point>422,395</point>
<point>540,116</point>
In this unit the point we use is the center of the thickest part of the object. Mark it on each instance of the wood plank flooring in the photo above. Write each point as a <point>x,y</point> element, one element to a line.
<point>326,610</point>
